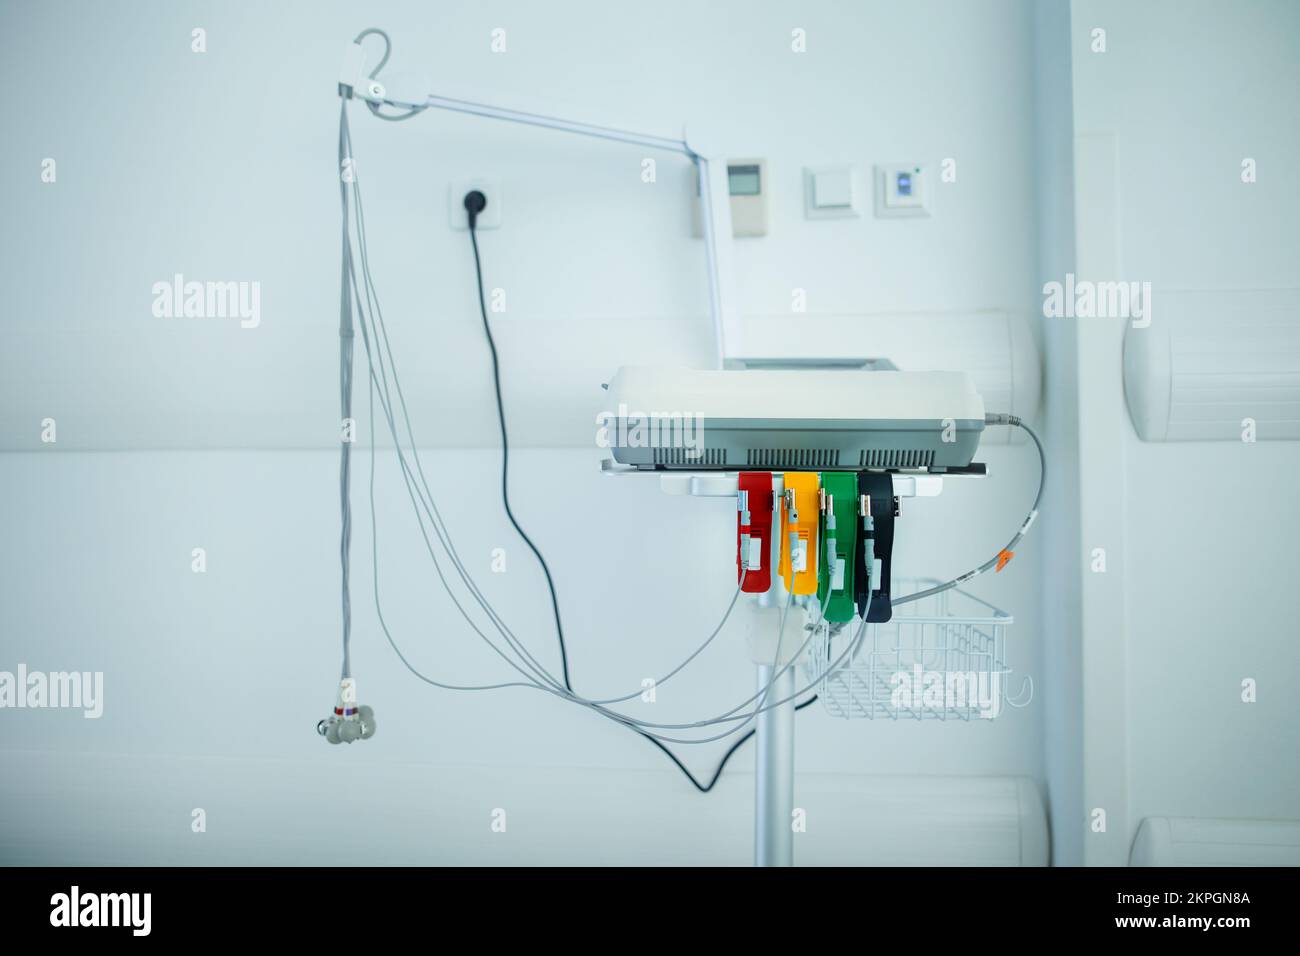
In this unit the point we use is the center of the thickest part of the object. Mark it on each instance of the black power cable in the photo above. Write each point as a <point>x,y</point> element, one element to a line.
<point>705,788</point>
<point>475,203</point>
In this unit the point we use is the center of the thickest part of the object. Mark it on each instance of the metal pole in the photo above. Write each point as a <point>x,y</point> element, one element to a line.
<point>598,131</point>
<point>774,773</point>
<point>715,202</point>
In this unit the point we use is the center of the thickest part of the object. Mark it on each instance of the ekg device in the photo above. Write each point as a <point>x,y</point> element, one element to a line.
<point>836,419</point>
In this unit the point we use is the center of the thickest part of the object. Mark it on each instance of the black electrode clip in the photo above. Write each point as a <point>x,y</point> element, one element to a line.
<point>879,488</point>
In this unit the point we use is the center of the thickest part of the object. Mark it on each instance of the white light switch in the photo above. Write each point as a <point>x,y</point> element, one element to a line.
<point>832,192</point>
<point>832,188</point>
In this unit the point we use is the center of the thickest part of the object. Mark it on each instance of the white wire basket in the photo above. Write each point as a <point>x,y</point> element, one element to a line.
<point>939,658</point>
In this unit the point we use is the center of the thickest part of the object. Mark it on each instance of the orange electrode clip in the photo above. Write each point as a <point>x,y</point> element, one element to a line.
<point>799,518</point>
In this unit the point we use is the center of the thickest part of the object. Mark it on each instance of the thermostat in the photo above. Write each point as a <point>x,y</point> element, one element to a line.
<point>747,185</point>
<point>902,189</point>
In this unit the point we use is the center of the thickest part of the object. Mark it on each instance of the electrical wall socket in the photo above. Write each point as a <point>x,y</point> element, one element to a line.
<point>489,218</point>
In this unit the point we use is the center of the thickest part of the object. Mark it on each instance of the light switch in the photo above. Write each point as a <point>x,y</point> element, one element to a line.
<point>832,188</point>
<point>832,191</point>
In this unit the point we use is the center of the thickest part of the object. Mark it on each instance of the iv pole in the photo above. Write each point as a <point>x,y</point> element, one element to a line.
<point>774,729</point>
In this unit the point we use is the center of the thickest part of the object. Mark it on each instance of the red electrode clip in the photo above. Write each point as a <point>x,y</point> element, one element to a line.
<point>754,531</point>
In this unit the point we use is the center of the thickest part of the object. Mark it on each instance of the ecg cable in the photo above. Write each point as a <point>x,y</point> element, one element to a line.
<point>380,379</point>
<point>429,504</point>
<point>371,321</point>
<point>627,720</point>
<point>998,418</point>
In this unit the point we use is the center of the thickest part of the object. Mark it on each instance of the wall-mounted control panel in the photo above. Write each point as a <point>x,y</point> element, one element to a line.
<point>902,189</point>
<point>748,186</point>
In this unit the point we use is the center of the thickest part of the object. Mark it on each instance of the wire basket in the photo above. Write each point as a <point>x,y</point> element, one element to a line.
<point>940,658</point>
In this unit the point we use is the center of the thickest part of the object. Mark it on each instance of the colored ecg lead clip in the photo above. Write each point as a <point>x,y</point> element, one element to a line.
<point>877,490</point>
<point>835,580</point>
<point>754,531</point>
<point>799,521</point>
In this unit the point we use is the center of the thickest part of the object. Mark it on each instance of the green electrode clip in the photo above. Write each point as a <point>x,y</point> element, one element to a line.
<point>839,537</point>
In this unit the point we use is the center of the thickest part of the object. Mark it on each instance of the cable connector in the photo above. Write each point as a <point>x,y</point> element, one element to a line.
<point>475,203</point>
<point>1001,418</point>
<point>864,511</point>
<point>742,521</point>
<point>350,721</point>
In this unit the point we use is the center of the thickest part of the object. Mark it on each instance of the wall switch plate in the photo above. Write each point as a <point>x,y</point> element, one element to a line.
<point>902,189</point>
<point>832,192</point>
<point>489,218</point>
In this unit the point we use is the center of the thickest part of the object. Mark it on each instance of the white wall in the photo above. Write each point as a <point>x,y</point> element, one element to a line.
<point>226,170</point>
<point>179,434</point>
<point>1197,596</point>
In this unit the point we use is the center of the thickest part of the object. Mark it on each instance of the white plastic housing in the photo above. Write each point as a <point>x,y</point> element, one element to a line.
<point>1173,841</point>
<point>1215,365</point>
<point>804,419</point>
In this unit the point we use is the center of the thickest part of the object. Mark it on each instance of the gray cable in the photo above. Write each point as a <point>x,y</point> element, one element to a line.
<point>351,285</point>
<point>345,401</point>
<point>408,477</point>
<point>421,496</point>
<point>412,491</point>
<point>347,337</point>
<point>999,418</point>
<point>621,718</point>
<point>427,498</point>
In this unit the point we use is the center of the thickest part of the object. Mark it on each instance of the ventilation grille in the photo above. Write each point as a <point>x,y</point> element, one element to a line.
<point>793,457</point>
<point>895,458</point>
<point>691,458</point>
